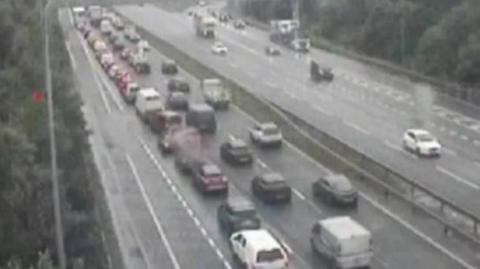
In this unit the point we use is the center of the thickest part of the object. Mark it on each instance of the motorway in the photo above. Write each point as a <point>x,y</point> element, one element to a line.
<point>163,222</point>
<point>364,107</point>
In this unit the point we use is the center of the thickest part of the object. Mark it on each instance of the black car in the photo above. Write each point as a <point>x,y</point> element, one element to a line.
<point>237,214</point>
<point>186,161</point>
<point>177,101</point>
<point>169,67</point>
<point>239,24</point>
<point>236,151</point>
<point>112,38</point>
<point>271,187</point>
<point>118,45</point>
<point>178,84</point>
<point>335,189</point>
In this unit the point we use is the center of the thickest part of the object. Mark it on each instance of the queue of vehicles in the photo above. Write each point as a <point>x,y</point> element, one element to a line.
<point>347,246</point>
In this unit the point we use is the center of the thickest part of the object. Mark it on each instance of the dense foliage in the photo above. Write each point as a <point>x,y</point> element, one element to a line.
<point>436,37</point>
<point>26,220</point>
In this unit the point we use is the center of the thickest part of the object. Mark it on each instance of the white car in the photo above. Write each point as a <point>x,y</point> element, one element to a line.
<point>421,142</point>
<point>113,70</point>
<point>143,45</point>
<point>266,134</point>
<point>219,49</point>
<point>259,249</point>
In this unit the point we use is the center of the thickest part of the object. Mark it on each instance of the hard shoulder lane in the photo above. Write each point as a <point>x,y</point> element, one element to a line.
<point>162,228</point>
<point>177,37</point>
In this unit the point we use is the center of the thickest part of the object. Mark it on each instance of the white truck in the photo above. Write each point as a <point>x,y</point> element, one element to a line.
<point>343,241</point>
<point>95,15</point>
<point>204,25</point>
<point>287,33</point>
<point>131,34</point>
<point>215,94</point>
<point>147,102</point>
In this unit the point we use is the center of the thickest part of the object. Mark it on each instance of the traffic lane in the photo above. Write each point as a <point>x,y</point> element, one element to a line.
<point>177,39</point>
<point>393,155</point>
<point>389,236</point>
<point>350,105</point>
<point>397,104</point>
<point>204,207</point>
<point>137,231</point>
<point>118,128</point>
<point>126,212</point>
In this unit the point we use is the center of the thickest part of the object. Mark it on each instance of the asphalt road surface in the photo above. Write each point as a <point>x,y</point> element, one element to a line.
<point>163,222</point>
<point>364,107</point>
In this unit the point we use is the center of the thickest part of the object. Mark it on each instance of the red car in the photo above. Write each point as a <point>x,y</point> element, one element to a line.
<point>207,177</point>
<point>122,79</point>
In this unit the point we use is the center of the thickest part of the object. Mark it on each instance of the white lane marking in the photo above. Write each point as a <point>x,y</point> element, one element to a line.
<point>187,207</point>
<point>262,164</point>
<point>70,55</point>
<point>476,142</point>
<point>292,95</point>
<point>356,127</point>
<point>97,81</point>
<point>70,16</point>
<point>457,178</point>
<point>299,194</point>
<point>111,91</point>
<point>320,109</point>
<point>418,233</point>
<point>151,210</point>
<point>400,149</point>
<point>449,151</point>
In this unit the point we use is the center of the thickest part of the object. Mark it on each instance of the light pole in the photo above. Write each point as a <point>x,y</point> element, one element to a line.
<point>62,261</point>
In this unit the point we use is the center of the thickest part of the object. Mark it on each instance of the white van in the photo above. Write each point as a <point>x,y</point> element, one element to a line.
<point>147,102</point>
<point>258,249</point>
<point>342,241</point>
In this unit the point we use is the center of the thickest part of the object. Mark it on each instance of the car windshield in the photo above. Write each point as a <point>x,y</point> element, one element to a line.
<point>245,212</point>
<point>269,255</point>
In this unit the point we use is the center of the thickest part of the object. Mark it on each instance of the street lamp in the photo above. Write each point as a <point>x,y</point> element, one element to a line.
<point>53,147</point>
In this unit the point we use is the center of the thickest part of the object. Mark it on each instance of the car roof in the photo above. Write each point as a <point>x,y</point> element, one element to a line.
<point>210,168</point>
<point>260,239</point>
<point>272,178</point>
<point>240,204</point>
<point>335,177</point>
<point>201,107</point>
<point>269,124</point>
<point>148,92</point>
<point>344,227</point>
<point>237,143</point>
<point>418,131</point>
<point>170,113</point>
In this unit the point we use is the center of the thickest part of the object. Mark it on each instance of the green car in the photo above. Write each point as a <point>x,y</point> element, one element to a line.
<point>237,214</point>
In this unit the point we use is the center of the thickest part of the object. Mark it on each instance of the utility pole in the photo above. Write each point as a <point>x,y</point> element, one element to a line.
<point>62,261</point>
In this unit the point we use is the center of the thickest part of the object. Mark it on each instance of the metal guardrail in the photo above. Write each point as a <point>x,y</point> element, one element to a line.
<point>330,151</point>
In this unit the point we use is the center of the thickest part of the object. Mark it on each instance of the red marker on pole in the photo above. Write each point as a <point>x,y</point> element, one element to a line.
<point>38,96</point>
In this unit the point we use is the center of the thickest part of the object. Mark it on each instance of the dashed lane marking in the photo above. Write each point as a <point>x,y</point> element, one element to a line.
<point>299,194</point>
<point>356,127</point>
<point>457,178</point>
<point>449,151</point>
<point>186,207</point>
